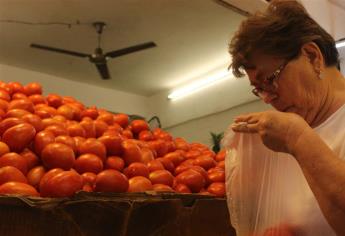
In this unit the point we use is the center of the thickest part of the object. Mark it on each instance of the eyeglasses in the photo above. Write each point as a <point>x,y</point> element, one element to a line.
<point>269,82</point>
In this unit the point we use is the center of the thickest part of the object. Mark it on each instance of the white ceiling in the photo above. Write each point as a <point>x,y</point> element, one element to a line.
<point>191,35</point>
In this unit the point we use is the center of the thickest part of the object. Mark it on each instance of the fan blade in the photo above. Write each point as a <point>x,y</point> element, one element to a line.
<point>78,54</point>
<point>103,70</point>
<point>128,50</point>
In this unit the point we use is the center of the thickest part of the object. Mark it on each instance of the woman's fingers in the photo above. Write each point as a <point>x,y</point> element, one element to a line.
<point>244,127</point>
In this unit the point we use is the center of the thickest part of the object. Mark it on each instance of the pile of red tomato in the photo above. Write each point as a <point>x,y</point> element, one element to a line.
<point>54,146</point>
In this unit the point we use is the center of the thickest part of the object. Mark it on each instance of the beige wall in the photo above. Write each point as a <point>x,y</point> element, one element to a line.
<point>198,130</point>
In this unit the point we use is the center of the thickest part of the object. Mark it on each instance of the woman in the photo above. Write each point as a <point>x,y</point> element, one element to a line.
<point>292,64</point>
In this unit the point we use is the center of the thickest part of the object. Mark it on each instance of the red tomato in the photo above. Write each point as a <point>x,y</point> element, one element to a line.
<point>32,88</point>
<point>35,175</point>
<point>16,87</point>
<point>155,165</point>
<point>88,163</point>
<point>4,148</point>
<point>217,176</point>
<point>89,127</point>
<point>90,112</point>
<point>17,96</point>
<point>162,188</point>
<point>192,154</point>
<point>168,165</point>
<point>161,177</point>
<point>42,139</point>
<point>89,178</point>
<point>54,100</point>
<point>18,113</point>
<point>181,144</point>
<point>111,181</point>
<point>76,130</point>
<point>4,95</point>
<point>146,155</point>
<point>69,141</point>
<point>63,184</point>
<point>174,157</point>
<point>18,188</point>
<point>139,125</point>
<point>139,184</point>
<point>126,133</point>
<point>19,136</point>
<point>159,146</point>
<point>78,141</point>
<point>182,188</point>
<point>131,152</point>
<point>43,114</point>
<point>57,130</point>
<point>114,162</point>
<point>94,146</point>
<point>24,104</point>
<point>3,105</point>
<point>10,173</point>
<point>112,142</point>
<point>193,179</point>
<point>121,119</point>
<point>100,127</point>
<point>217,188</point>
<point>87,188</point>
<point>8,123</point>
<point>47,176</point>
<point>181,168</point>
<point>37,99</point>
<point>15,160</point>
<point>114,129</point>
<point>34,120</point>
<point>136,169</point>
<point>30,157</point>
<point>58,155</point>
<point>51,121</point>
<point>205,162</point>
<point>66,111</point>
<point>107,117</point>
<point>221,164</point>
<point>145,135</point>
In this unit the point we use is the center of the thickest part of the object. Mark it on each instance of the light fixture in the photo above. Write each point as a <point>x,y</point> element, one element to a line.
<point>195,86</point>
<point>340,43</point>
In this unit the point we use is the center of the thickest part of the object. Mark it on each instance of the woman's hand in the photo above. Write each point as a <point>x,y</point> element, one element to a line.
<point>279,131</point>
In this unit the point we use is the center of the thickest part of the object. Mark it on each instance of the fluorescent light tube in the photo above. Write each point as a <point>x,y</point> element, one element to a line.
<point>340,43</point>
<point>199,84</point>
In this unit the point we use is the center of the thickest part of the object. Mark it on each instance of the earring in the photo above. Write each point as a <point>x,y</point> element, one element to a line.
<point>320,74</point>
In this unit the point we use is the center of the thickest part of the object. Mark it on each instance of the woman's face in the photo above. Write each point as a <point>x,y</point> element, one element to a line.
<point>294,88</point>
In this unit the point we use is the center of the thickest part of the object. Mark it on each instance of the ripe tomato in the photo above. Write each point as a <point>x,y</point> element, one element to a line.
<point>34,120</point>
<point>54,100</point>
<point>114,162</point>
<point>192,154</point>
<point>205,162</point>
<point>89,127</point>
<point>100,127</point>
<point>94,146</point>
<point>155,165</point>
<point>145,135</point>
<point>15,160</point>
<point>3,105</point>
<point>114,129</point>
<point>58,155</point>
<point>221,164</point>
<point>19,136</point>
<point>42,139</point>
<point>19,113</point>
<point>18,188</point>
<point>24,104</point>
<point>57,130</point>
<point>139,125</point>
<point>217,176</point>
<point>48,175</point>
<point>161,177</point>
<point>4,95</point>
<point>127,133</point>
<point>174,157</point>
<point>4,148</point>
<point>131,152</point>
<point>193,179</point>
<point>89,178</point>
<point>139,184</point>
<point>51,121</point>
<point>217,188</point>
<point>32,88</point>
<point>168,165</point>
<point>63,184</point>
<point>16,87</point>
<point>66,111</point>
<point>87,188</point>
<point>111,181</point>
<point>35,175</point>
<point>17,96</point>
<point>162,188</point>
<point>90,112</point>
<point>136,169</point>
<point>88,163</point>
<point>107,117</point>
<point>159,146</point>
<point>182,188</point>
<point>8,123</point>
<point>37,99</point>
<point>146,155</point>
<point>112,142</point>
<point>74,130</point>
<point>69,141</point>
<point>121,119</point>
<point>181,144</point>
<point>30,157</point>
<point>10,173</point>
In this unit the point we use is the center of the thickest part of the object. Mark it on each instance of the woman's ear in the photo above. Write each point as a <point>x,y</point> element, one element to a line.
<point>313,53</point>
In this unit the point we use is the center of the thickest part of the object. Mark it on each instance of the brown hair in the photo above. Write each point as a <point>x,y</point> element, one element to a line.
<point>279,31</point>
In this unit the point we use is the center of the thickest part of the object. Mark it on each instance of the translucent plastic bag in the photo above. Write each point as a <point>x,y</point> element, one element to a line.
<point>267,193</point>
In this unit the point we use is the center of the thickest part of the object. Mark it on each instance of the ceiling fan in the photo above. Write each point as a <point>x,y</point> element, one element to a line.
<point>98,57</point>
